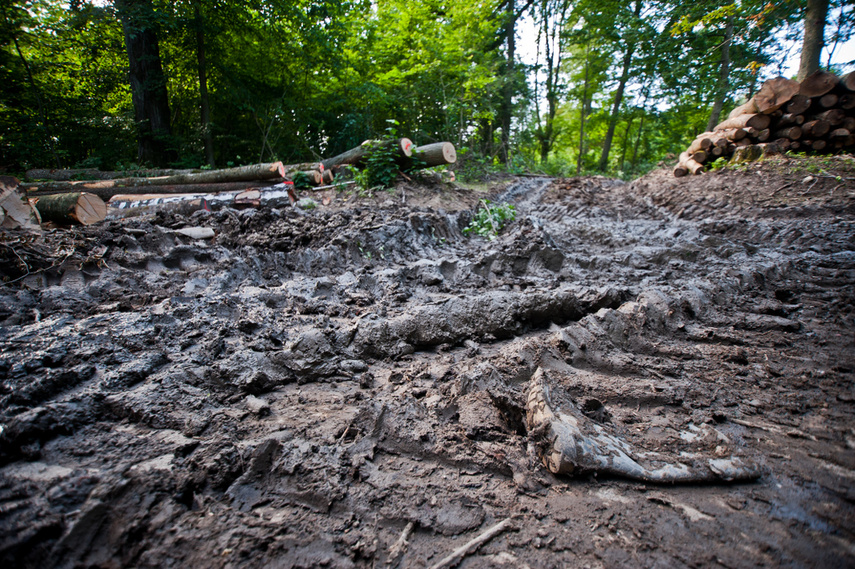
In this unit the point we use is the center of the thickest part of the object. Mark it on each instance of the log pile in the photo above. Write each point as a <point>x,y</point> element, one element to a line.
<point>157,185</point>
<point>816,115</point>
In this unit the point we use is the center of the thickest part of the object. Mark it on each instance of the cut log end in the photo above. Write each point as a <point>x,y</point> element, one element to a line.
<point>76,208</point>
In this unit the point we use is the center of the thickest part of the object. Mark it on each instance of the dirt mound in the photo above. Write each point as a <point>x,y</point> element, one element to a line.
<point>359,384</point>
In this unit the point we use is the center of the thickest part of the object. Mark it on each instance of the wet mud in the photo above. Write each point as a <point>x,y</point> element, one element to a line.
<point>361,385</point>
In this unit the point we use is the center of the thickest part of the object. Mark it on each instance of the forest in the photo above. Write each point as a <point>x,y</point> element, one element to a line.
<point>561,87</point>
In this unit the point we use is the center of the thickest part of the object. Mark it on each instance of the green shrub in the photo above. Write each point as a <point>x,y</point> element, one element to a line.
<point>490,219</point>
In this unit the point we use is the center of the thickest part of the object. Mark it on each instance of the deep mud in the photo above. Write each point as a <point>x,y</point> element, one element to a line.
<point>299,389</point>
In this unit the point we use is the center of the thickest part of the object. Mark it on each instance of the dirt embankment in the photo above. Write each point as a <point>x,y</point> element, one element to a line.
<point>308,386</point>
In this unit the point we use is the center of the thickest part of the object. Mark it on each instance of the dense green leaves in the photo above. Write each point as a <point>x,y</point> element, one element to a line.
<point>296,80</point>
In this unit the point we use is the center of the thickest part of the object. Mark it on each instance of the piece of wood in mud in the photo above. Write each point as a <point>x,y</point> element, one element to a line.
<point>818,83</point>
<point>76,208</point>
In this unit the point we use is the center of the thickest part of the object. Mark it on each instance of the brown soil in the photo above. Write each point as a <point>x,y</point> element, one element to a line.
<point>305,387</point>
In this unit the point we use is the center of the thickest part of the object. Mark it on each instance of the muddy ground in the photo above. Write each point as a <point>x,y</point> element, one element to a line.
<point>298,390</point>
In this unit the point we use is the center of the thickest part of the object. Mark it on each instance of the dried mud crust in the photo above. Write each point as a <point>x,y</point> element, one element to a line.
<point>299,390</point>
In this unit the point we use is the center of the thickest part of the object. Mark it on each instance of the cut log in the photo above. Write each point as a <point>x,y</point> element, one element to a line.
<point>764,135</point>
<point>795,145</point>
<point>782,143</point>
<point>310,177</point>
<point>734,134</point>
<point>15,210</point>
<point>828,101</point>
<point>699,156</point>
<point>747,108</point>
<point>356,156</point>
<point>302,167</point>
<point>848,81</point>
<point>437,154</point>
<point>329,177</point>
<point>790,118</point>
<point>240,174</point>
<point>832,116</point>
<point>791,132</point>
<point>692,166</point>
<point>747,153</point>
<point>799,104</point>
<point>774,94</point>
<point>815,128</point>
<point>716,151</point>
<point>848,123</point>
<point>702,142</point>
<point>68,175</point>
<point>818,144</point>
<point>34,190</point>
<point>839,133</point>
<point>846,102</point>
<point>818,83</point>
<point>743,142</point>
<point>78,208</point>
<point>758,121</point>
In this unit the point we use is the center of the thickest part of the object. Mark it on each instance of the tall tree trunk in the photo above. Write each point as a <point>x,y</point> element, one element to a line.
<point>814,38</point>
<point>583,116</point>
<point>148,83</point>
<point>724,73</point>
<point>624,77</point>
<point>506,109</point>
<point>552,42</point>
<point>625,145</point>
<point>204,109</point>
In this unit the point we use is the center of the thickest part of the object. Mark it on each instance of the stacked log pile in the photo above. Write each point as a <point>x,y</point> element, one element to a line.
<point>154,184</point>
<point>816,115</point>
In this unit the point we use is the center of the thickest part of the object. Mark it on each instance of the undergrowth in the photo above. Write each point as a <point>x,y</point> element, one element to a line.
<point>490,219</point>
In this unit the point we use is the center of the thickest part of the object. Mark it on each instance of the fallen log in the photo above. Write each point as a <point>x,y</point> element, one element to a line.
<point>68,175</point>
<point>107,193</point>
<point>357,156</point>
<point>757,120</point>
<point>78,208</point>
<point>818,83</point>
<point>250,173</point>
<point>437,154</point>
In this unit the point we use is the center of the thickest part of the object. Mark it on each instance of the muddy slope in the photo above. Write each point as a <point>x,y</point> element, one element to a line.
<point>298,390</point>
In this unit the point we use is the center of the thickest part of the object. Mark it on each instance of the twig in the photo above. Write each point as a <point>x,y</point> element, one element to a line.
<point>399,547</point>
<point>471,546</point>
<point>782,187</point>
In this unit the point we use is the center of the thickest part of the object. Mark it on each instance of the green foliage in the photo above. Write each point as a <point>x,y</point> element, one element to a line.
<point>491,219</point>
<point>381,166</point>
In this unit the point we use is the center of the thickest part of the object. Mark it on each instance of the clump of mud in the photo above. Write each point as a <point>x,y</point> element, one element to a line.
<point>308,387</point>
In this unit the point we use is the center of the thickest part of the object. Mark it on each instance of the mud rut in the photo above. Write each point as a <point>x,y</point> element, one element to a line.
<point>300,389</point>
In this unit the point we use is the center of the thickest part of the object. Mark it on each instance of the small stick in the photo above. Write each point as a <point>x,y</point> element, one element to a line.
<point>472,546</point>
<point>399,547</point>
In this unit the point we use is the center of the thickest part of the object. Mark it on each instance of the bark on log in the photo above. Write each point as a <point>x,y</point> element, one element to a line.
<point>75,208</point>
<point>747,108</point>
<point>758,121</point>
<point>818,83</point>
<point>302,167</point>
<point>16,210</point>
<point>436,154</point>
<point>240,174</point>
<point>702,142</point>
<point>311,177</point>
<point>848,81</point>
<point>815,128</point>
<point>68,175</point>
<point>356,156</point>
<point>34,190</point>
<point>792,132</point>
<point>799,104</point>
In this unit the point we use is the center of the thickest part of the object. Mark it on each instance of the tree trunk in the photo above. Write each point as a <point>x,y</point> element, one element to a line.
<point>582,116</point>
<point>624,77</point>
<point>91,174</point>
<point>815,15</point>
<point>75,208</point>
<point>506,108</point>
<point>148,83</point>
<point>724,73</point>
<point>204,110</point>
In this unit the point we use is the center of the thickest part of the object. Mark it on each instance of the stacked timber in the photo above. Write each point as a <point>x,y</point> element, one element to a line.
<point>84,189</point>
<point>816,115</point>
